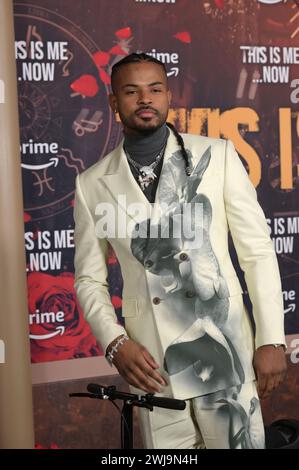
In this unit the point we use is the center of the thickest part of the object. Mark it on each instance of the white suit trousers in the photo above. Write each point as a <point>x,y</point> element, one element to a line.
<point>228,419</point>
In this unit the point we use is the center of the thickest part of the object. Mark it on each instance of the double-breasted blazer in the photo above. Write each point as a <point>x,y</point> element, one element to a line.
<point>181,296</point>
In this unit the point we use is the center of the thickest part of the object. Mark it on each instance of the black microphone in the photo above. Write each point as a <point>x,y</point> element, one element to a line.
<point>111,392</point>
<point>162,402</point>
<point>95,389</point>
<point>149,398</point>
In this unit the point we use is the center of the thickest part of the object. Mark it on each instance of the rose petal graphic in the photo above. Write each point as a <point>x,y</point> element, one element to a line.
<point>124,33</point>
<point>104,77</point>
<point>112,259</point>
<point>183,36</point>
<point>219,4</point>
<point>27,217</point>
<point>101,58</point>
<point>117,50</point>
<point>116,301</point>
<point>86,85</point>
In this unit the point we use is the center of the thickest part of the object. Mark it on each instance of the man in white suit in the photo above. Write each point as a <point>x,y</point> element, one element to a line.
<point>165,202</point>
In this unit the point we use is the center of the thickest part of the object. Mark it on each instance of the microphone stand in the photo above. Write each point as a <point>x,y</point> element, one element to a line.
<point>143,401</point>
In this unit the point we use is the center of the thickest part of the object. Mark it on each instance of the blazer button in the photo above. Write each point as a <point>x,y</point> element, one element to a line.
<point>148,263</point>
<point>156,300</point>
<point>189,294</point>
<point>183,256</point>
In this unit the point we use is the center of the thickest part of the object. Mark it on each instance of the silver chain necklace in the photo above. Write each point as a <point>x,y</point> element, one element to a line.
<point>146,172</point>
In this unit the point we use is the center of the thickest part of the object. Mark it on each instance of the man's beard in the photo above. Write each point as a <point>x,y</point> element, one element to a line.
<point>146,127</point>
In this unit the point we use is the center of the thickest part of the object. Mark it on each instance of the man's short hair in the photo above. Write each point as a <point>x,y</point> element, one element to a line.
<point>131,59</point>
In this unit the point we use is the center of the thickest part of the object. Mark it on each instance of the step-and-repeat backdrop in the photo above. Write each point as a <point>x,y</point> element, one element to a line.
<point>233,70</point>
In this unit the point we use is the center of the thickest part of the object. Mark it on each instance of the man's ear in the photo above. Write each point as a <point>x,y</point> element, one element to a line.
<point>169,94</point>
<point>113,103</point>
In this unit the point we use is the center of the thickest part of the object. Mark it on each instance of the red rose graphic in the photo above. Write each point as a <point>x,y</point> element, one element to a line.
<point>86,85</point>
<point>57,327</point>
<point>183,36</point>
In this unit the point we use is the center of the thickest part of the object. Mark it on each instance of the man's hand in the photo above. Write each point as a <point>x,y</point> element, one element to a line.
<point>136,365</point>
<point>270,367</point>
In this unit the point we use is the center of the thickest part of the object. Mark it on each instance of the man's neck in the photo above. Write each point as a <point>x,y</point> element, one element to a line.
<point>145,147</point>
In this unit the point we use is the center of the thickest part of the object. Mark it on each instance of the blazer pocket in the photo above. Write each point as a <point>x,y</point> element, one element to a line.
<point>234,288</point>
<point>129,307</point>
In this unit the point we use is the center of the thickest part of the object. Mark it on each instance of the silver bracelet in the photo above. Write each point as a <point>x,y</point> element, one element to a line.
<point>110,355</point>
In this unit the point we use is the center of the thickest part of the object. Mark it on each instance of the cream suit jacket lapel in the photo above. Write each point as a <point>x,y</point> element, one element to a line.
<point>124,190</point>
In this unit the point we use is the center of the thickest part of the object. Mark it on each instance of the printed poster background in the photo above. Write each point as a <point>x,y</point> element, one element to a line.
<point>233,71</point>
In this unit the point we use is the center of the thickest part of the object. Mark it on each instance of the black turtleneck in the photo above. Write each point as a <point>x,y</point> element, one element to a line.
<point>144,150</point>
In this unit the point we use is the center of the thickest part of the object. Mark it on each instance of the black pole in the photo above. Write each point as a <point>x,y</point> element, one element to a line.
<point>127,426</point>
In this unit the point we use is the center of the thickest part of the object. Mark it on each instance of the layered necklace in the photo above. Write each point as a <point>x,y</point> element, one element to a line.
<point>146,174</point>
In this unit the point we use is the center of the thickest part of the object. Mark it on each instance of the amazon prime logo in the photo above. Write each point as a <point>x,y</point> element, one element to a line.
<point>2,352</point>
<point>289,298</point>
<point>169,59</point>
<point>39,318</point>
<point>39,150</point>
